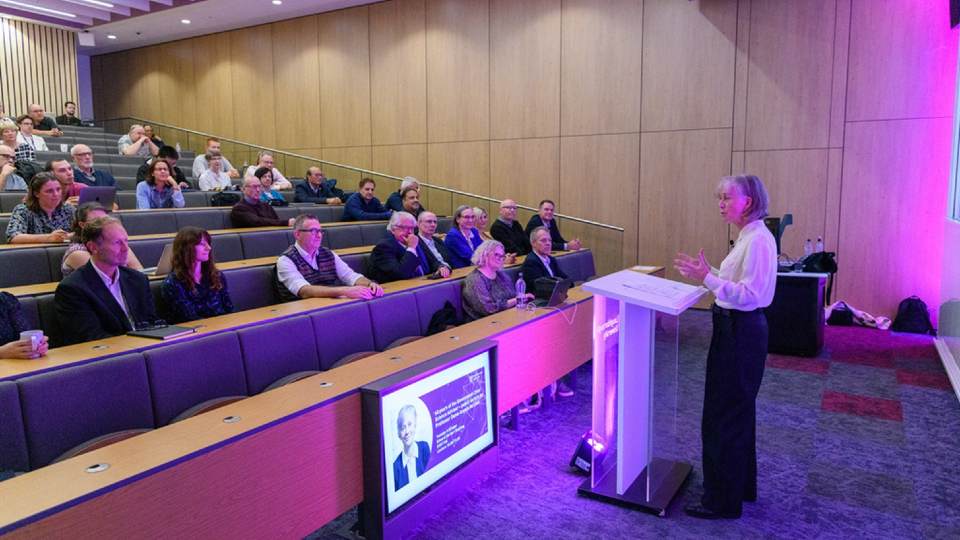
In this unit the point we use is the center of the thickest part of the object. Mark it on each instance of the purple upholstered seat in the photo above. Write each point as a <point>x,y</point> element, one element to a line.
<point>157,221</point>
<point>344,237</point>
<point>191,372</point>
<point>274,350</point>
<point>49,321</point>
<point>64,408</point>
<point>28,306</point>
<point>373,233</point>
<point>251,287</point>
<point>393,317</point>
<point>431,299</point>
<point>211,219</point>
<point>263,244</point>
<point>24,267</point>
<point>13,443</point>
<point>226,247</point>
<point>341,331</point>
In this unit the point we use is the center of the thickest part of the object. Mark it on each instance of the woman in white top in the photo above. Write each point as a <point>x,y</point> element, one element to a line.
<point>214,179</point>
<point>744,286</point>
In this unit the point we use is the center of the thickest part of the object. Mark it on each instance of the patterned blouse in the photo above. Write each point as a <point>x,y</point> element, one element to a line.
<point>181,305</point>
<point>483,296</point>
<point>26,221</point>
<point>12,321</point>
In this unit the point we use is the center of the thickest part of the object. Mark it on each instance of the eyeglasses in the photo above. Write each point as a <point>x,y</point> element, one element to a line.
<point>314,231</point>
<point>79,154</point>
<point>499,255</point>
<point>509,207</point>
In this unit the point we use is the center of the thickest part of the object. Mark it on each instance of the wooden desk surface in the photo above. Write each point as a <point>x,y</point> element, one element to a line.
<point>213,232</point>
<point>46,288</point>
<point>170,481</point>
<point>91,350</point>
<point>189,208</point>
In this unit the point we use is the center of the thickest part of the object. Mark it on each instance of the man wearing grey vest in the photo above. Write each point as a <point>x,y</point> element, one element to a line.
<point>308,270</point>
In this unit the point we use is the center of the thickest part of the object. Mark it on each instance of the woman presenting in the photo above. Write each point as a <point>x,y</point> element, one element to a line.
<point>743,286</point>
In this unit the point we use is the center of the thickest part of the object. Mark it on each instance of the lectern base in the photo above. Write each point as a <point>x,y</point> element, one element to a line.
<point>672,476</point>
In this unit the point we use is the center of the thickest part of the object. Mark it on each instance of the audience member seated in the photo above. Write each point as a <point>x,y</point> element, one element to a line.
<point>400,255</point>
<point>8,134</point>
<point>9,179</point>
<point>44,216</point>
<point>170,155</point>
<point>103,298</point>
<point>69,116</point>
<point>213,178</point>
<point>85,172</point>
<point>395,200</point>
<point>433,247</point>
<point>488,288</point>
<point>363,206</point>
<point>508,231</point>
<point>267,193</point>
<point>265,159</point>
<point>159,190</point>
<point>43,124</point>
<point>77,254</point>
<point>201,162</point>
<point>62,169</point>
<point>411,201</point>
<point>463,238</point>
<point>154,138</point>
<point>251,211</point>
<point>12,322</point>
<point>308,270</point>
<point>194,289</point>
<point>545,219</point>
<point>135,143</point>
<point>28,144</point>
<point>482,220</point>
<point>316,189</point>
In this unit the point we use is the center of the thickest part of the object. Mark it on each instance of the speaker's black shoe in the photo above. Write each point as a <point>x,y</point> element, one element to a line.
<point>698,510</point>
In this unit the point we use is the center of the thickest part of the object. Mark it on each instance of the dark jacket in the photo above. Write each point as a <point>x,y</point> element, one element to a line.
<point>533,269</point>
<point>394,202</point>
<point>103,178</point>
<point>513,238</point>
<point>400,476</point>
<point>259,214</point>
<point>304,192</point>
<point>434,263</point>
<point>461,249</point>
<point>357,209</point>
<point>390,261</point>
<point>558,243</point>
<point>64,120</point>
<point>87,311</point>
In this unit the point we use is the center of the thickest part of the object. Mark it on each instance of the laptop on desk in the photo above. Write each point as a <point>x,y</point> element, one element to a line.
<point>105,195</point>
<point>165,265</point>
<point>557,295</point>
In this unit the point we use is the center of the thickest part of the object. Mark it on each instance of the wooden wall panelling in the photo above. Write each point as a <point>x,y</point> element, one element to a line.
<point>526,170</point>
<point>524,68</point>
<point>789,79</point>
<point>841,56</point>
<point>464,166</point>
<point>296,83</point>
<point>213,79</point>
<point>797,183</point>
<point>398,72</point>
<point>146,82</point>
<point>737,163</point>
<point>678,210</point>
<point>903,60</point>
<point>345,77</point>
<point>403,160</point>
<point>831,238</point>
<point>251,71</point>
<point>358,156</point>
<point>601,66</point>
<point>741,73</point>
<point>599,177</point>
<point>177,101</point>
<point>458,70</point>
<point>689,51</point>
<point>37,65</point>
<point>892,210</point>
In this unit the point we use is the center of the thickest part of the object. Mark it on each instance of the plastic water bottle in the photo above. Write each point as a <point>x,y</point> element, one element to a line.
<point>819,244</point>
<point>178,149</point>
<point>521,291</point>
<point>807,248</point>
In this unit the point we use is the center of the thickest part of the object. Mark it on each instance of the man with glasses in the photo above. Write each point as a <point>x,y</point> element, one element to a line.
<point>400,255</point>
<point>84,171</point>
<point>309,270</point>
<point>9,179</point>
<point>508,231</point>
<point>251,211</point>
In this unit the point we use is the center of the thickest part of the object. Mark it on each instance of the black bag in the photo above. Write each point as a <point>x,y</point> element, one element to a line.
<point>822,262</point>
<point>841,315</point>
<point>27,169</point>
<point>278,202</point>
<point>912,317</point>
<point>222,198</point>
<point>443,319</point>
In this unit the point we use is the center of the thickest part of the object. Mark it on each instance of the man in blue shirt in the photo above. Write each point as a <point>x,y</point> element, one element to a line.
<point>363,206</point>
<point>83,170</point>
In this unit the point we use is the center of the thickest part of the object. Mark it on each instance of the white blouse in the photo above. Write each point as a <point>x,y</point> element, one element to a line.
<point>747,277</point>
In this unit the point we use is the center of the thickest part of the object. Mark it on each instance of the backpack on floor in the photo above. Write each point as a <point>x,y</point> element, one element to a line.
<point>913,317</point>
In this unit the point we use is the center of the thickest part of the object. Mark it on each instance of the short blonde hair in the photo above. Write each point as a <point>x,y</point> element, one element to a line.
<point>483,251</point>
<point>749,186</point>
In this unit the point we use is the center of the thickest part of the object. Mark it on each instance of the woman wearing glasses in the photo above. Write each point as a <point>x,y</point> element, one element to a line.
<point>463,238</point>
<point>488,289</point>
<point>194,289</point>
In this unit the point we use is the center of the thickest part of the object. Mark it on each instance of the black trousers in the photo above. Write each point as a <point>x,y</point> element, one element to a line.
<point>738,352</point>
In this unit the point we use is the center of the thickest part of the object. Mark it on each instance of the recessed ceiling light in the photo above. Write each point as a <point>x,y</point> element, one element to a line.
<point>277,2</point>
<point>185,21</point>
<point>111,36</point>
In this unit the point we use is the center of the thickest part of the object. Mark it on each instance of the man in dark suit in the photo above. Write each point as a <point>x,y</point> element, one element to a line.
<point>412,461</point>
<point>507,230</point>
<point>103,298</point>
<point>432,246</point>
<point>400,255</point>
<point>251,211</point>
<point>545,219</point>
<point>316,189</point>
